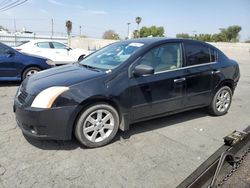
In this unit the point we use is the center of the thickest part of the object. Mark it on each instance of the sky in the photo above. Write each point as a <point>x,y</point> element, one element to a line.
<point>96,16</point>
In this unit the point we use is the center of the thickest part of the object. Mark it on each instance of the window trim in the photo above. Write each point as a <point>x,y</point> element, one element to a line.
<point>187,67</point>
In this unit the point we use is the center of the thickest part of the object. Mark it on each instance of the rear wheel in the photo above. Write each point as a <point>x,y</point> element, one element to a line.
<point>97,125</point>
<point>221,101</point>
<point>29,72</point>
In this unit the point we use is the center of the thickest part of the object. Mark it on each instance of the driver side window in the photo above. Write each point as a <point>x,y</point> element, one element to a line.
<point>164,57</point>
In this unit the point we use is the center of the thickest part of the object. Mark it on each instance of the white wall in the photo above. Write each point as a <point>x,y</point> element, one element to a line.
<point>90,43</point>
<point>234,50</point>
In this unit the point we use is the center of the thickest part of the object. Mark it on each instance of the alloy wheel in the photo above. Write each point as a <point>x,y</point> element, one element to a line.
<point>223,100</point>
<point>98,125</point>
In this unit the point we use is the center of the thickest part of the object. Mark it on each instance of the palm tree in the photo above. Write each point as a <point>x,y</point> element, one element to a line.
<point>69,29</point>
<point>138,21</point>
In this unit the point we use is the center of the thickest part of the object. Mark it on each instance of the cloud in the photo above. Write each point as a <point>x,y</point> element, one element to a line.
<point>98,12</point>
<point>56,2</point>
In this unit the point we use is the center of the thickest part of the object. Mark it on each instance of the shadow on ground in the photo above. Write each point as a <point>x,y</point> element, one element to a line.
<point>8,84</point>
<point>134,129</point>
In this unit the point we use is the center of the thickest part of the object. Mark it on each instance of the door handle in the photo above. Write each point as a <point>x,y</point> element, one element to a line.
<point>215,71</point>
<point>179,80</point>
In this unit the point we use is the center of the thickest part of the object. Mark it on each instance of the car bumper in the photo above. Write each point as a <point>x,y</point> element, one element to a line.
<point>54,123</point>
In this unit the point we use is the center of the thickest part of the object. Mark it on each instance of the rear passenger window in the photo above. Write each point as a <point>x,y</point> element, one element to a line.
<point>197,54</point>
<point>43,45</point>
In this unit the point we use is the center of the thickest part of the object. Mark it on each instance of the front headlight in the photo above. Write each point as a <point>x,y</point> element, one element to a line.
<point>50,62</point>
<point>46,98</point>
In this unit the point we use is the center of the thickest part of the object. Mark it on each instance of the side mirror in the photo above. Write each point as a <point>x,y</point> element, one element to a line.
<point>68,48</point>
<point>141,70</point>
<point>10,53</point>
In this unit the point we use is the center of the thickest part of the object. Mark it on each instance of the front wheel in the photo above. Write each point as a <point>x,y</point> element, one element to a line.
<point>29,72</point>
<point>97,125</point>
<point>221,101</point>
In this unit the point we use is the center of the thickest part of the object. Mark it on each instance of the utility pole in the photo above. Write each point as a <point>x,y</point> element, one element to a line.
<point>128,29</point>
<point>15,25</point>
<point>80,30</point>
<point>52,27</point>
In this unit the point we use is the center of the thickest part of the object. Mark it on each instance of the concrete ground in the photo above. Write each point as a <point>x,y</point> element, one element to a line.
<point>156,153</point>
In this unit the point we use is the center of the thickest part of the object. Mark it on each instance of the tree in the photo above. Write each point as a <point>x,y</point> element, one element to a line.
<point>110,34</point>
<point>152,31</point>
<point>230,34</point>
<point>136,34</point>
<point>183,36</point>
<point>68,25</point>
<point>138,20</point>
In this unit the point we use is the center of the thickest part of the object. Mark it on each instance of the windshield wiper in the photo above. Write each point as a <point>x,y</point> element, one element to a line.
<point>90,67</point>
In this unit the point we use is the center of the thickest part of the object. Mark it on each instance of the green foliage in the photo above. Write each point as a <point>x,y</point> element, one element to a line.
<point>149,31</point>
<point>110,34</point>
<point>138,20</point>
<point>230,34</point>
<point>136,34</point>
<point>183,36</point>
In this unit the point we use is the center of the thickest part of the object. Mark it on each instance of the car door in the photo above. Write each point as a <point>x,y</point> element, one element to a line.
<point>62,53</point>
<point>44,49</point>
<point>199,74</point>
<point>162,91</point>
<point>8,67</point>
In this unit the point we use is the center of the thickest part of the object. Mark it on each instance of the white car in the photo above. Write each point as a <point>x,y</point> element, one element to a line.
<point>53,50</point>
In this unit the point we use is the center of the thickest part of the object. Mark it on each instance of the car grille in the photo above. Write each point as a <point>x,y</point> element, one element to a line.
<point>22,96</point>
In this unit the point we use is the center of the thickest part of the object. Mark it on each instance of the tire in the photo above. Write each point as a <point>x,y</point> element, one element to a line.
<point>221,102</point>
<point>81,58</point>
<point>90,129</point>
<point>30,71</point>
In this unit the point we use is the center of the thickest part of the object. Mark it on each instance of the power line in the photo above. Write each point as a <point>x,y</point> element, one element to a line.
<point>12,5</point>
<point>4,2</point>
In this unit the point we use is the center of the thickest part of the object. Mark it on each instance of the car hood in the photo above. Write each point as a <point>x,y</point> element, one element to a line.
<point>66,75</point>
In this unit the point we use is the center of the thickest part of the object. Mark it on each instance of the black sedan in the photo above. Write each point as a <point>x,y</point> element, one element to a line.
<point>124,83</point>
<point>16,66</point>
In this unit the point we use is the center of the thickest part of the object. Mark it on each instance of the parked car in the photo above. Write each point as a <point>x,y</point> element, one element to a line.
<point>124,83</point>
<point>56,51</point>
<point>16,66</point>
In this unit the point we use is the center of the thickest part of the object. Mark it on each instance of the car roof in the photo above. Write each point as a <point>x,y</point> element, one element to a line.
<point>154,40</point>
<point>44,40</point>
<point>151,40</point>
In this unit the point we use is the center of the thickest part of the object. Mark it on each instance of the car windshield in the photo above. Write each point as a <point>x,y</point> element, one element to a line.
<point>111,56</point>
